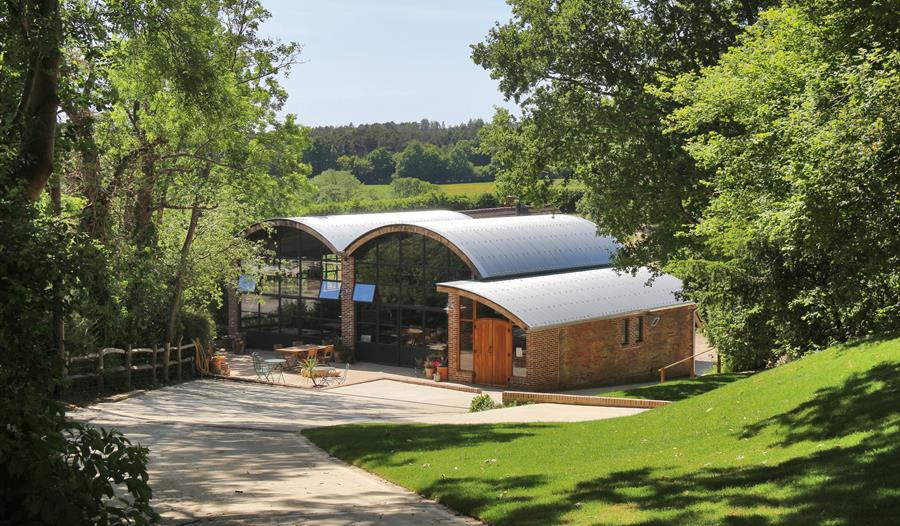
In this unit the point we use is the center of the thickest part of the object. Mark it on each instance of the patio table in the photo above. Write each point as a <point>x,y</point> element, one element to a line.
<point>295,353</point>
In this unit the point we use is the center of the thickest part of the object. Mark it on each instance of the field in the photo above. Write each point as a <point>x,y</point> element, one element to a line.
<point>816,441</point>
<point>471,190</point>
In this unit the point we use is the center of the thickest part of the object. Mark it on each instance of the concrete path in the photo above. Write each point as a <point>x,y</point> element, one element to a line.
<point>226,452</point>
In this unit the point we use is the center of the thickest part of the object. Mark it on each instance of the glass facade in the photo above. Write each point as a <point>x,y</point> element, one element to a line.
<point>288,303</point>
<point>407,321</point>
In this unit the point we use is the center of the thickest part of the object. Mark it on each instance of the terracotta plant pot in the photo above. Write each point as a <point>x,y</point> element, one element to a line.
<point>429,372</point>
<point>444,372</point>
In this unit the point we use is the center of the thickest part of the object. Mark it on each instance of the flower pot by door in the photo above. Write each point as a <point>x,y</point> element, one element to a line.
<point>429,372</point>
<point>444,372</point>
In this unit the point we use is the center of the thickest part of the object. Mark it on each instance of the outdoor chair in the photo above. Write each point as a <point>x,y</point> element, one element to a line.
<point>277,346</point>
<point>327,354</point>
<point>264,371</point>
<point>338,379</point>
<point>297,343</point>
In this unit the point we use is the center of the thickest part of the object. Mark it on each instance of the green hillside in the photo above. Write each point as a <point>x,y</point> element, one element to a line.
<point>814,442</point>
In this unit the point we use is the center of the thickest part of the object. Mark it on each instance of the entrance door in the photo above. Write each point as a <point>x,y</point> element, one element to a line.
<point>492,351</point>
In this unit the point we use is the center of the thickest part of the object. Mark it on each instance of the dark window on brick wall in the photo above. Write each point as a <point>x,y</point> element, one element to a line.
<point>632,330</point>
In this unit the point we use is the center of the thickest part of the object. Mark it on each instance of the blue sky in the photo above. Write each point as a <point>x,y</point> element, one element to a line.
<point>387,60</point>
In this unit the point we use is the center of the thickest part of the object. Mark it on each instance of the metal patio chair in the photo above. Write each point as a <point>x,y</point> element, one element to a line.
<point>264,371</point>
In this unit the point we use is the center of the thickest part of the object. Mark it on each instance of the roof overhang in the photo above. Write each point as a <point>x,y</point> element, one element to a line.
<point>568,298</point>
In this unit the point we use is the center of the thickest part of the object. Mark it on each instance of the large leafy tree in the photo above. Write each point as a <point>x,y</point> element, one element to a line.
<point>580,70</point>
<point>799,129</point>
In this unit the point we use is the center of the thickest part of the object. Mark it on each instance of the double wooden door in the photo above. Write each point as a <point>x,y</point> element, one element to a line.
<point>492,359</point>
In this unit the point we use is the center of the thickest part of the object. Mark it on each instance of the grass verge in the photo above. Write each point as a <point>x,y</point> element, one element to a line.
<point>816,441</point>
<point>675,390</point>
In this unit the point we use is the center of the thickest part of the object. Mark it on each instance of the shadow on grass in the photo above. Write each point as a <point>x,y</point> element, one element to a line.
<point>354,443</point>
<point>865,402</point>
<point>676,390</point>
<point>858,483</point>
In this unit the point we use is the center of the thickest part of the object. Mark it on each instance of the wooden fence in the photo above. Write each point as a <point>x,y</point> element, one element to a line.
<point>164,364</point>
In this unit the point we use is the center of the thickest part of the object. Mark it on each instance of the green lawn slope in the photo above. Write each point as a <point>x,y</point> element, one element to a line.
<point>675,390</point>
<point>813,442</point>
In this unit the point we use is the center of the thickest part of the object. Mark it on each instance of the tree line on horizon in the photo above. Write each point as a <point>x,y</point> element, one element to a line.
<point>380,152</point>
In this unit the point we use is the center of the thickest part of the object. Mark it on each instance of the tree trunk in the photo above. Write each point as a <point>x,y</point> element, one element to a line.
<point>36,115</point>
<point>175,307</point>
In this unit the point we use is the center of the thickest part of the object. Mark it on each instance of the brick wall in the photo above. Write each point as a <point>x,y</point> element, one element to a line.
<point>453,342</point>
<point>348,312</point>
<point>541,361</point>
<point>592,354</point>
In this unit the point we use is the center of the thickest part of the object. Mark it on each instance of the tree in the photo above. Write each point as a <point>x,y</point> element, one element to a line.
<point>360,167</point>
<point>580,70</point>
<point>421,161</point>
<point>798,247</point>
<point>408,187</point>
<point>336,185</point>
<point>383,167</point>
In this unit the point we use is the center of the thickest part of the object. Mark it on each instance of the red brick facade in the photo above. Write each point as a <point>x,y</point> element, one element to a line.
<point>593,354</point>
<point>348,312</point>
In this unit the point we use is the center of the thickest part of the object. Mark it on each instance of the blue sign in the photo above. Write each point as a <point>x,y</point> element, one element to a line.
<point>246,284</point>
<point>364,293</point>
<point>330,290</point>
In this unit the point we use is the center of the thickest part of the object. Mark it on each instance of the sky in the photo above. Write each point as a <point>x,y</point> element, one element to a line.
<point>387,60</point>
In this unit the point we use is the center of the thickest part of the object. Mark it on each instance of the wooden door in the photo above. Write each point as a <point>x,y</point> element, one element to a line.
<point>492,360</point>
<point>501,346</point>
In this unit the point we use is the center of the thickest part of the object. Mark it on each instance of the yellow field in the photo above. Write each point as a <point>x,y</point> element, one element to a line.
<point>470,190</point>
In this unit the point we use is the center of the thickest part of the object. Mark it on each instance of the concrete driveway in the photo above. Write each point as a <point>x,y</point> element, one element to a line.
<point>226,452</point>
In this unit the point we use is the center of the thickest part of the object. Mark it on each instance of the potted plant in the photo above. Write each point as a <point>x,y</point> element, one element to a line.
<point>442,368</point>
<point>428,365</point>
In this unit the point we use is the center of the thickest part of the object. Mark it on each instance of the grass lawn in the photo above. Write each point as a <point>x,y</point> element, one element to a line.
<point>816,441</point>
<point>675,390</point>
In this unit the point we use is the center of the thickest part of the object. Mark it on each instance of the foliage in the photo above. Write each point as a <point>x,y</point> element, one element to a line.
<point>580,70</point>
<point>816,441</point>
<point>344,353</point>
<point>409,187</point>
<point>336,186</point>
<point>368,150</point>
<point>52,470</point>
<point>798,247</point>
<point>482,402</point>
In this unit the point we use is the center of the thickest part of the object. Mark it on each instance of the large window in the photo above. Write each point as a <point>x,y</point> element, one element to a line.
<point>407,320</point>
<point>466,322</point>
<point>296,297</point>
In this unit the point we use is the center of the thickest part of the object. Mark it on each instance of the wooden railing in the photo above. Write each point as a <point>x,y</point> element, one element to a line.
<point>662,370</point>
<point>170,364</point>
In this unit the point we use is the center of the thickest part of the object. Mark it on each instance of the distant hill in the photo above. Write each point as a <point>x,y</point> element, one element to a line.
<point>427,150</point>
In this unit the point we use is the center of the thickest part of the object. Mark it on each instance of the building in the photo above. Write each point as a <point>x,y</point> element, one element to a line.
<point>527,301</point>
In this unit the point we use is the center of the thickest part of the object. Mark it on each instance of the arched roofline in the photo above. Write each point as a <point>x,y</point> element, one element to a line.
<point>411,229</point>
<point>290,223</point>
<point>484,301</point>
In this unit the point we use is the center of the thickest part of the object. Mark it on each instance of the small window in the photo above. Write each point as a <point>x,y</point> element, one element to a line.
<point>330,290</point>
<point>364,293</point>
<point>632,330</point>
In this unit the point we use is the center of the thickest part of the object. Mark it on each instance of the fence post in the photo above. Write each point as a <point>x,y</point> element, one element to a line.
<point>718,363</point>
<point>100,370</point>
<point>153,364</point>
<point>166,354</point>
<point>128,367</point>
<point>178,358</point>
<point>662,375</point>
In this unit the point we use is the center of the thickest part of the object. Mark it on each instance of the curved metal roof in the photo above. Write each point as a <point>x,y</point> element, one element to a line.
<point>509,246</point>
<point>555,300</point>
<point>338,231</point>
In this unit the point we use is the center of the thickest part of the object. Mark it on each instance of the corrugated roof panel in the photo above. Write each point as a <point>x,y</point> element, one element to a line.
<point>509,246</point>
<point>341,230</point>
<point>555,300</point>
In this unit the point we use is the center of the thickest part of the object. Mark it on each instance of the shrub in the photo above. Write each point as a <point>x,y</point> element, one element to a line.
<point>197,325</point>
<point>482,402</point>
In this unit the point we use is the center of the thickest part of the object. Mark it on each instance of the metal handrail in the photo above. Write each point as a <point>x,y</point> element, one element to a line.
<point>662,370</point>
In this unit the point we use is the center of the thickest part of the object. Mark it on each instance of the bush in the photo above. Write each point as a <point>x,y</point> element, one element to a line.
<point>197,325</point>
<point>411,187</point>
<point>482,402</point>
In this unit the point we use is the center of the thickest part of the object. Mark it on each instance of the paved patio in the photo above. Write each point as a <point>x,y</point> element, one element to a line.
<point>360,372</point>
<point>226,452</point>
